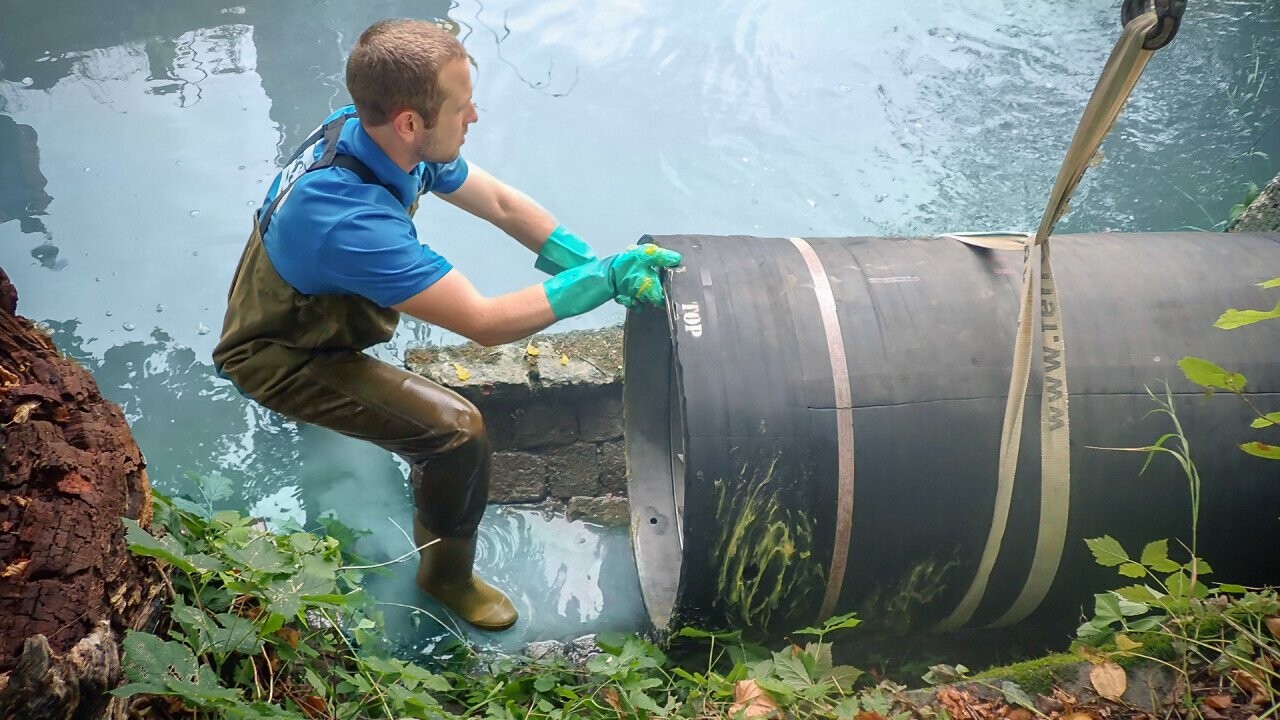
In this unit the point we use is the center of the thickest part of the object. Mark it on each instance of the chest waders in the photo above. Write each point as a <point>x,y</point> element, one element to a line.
<point>302,356</point>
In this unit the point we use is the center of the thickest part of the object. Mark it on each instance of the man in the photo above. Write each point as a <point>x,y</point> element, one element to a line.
<point>334,259</point>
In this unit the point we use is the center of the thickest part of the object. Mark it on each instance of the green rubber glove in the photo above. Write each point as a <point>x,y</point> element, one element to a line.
<point>562,250</point>
<point>629,277</point>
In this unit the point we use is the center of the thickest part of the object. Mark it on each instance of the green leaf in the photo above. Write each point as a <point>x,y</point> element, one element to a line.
<point>1147,624</point>
<point>1140,594</point>
<point>1274,283</point>
<point>544,683</point>
<point>1207,374</point>
<point>197,623</point>
<point>1106,607</point>
<point>214,487</point>
<point>187,506</point>
<point>1178,585</point>
<point>1266,420</point>
<point>141,542</point>
<point>236,634</point>
<point>844,676</point>
<point>847,709</point>
<point>839,622</point>
<point>316,683</point>
<point>791,670</point>
<point>775,686</point>
<point>1013,693</point>
<point>1233,318</point>
<point>1166,566</point>
<point>259,555</point>
<point>148,659</point>
<point>384,666</point>
<point>639,700</point>
<point>1154,552</point>
<point>1262,450</point>
<point>1232,589</point>
<point>1107,551</point>
<point>1133,570</point>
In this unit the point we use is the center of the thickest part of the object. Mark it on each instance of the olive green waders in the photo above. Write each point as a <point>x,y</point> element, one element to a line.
<point>302,356</point>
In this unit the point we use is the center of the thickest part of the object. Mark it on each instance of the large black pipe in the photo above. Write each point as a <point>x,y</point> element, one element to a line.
<point>735,428</point>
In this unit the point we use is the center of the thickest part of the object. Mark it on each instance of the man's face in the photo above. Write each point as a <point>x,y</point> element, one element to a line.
<point>442,142</point>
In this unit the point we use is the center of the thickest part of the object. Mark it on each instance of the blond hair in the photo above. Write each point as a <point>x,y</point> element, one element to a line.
<point>395,66</point>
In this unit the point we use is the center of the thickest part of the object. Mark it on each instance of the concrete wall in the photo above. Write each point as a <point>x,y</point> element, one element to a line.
<point>553,408</point>
<point>1263,215</point>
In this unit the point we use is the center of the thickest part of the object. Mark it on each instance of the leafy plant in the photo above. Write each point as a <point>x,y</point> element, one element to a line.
<point>1212,377</point>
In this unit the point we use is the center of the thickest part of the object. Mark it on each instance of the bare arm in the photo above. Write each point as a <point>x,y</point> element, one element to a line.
<point>454,304</point>
<point>515,213</point>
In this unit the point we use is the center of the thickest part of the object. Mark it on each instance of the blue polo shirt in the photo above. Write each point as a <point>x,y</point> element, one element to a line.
<point>334,234</point>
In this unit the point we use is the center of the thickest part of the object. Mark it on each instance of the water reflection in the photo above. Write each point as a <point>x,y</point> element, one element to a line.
<point>567,578</point>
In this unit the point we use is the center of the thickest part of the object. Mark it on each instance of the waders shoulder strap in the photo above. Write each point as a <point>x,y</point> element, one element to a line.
<point>329,133</point>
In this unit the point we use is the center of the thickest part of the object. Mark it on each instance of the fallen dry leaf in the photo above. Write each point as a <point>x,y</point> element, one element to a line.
<point>1109,680</point>
<point>15,568</point>
<point>1218,702</point>
<point>312,706</point>
<point>463,373</point>
<point>1258,692</point>
<point>8,378</point>
<point>1018,713</point>
<point>531,351</point>
<point>564,359</point>
<point>611,697</point>
<point>23,411</point>
<point>869,715</point>
<point>289,635</point>
<point>1078,715</point>
<point>1069,701</point>
<point>751,700</point>
<point>1273,624</point>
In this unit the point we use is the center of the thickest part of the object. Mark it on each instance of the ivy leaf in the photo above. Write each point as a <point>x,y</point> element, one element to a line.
<point>141,542</point>
<point>1233,318</point>
<point>1262,450</point>
<point>1209,375</point>
<point>1107,551</point>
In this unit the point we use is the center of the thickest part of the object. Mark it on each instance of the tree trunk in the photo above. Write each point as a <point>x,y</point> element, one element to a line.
<point>69,471</point>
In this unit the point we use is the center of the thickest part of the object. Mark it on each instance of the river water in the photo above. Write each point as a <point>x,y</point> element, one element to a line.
<point>136,138</point>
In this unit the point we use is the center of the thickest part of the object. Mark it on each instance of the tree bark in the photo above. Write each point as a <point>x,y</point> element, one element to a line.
<point>69,471</point>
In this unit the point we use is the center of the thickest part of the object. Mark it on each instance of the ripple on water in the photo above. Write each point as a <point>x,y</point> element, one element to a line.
<point>567,579</point>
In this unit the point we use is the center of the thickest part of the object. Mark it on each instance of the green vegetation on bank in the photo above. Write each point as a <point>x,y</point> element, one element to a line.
<point>277,625</point>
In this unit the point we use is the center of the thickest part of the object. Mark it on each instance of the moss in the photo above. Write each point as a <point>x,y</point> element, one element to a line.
<point>764,552</point>
<point>1038,675</point>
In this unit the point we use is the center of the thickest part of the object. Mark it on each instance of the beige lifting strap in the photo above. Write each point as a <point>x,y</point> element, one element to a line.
<point>1119,75</point>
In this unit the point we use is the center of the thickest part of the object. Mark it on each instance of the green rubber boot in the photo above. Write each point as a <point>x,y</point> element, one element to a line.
<point>444,572</point>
